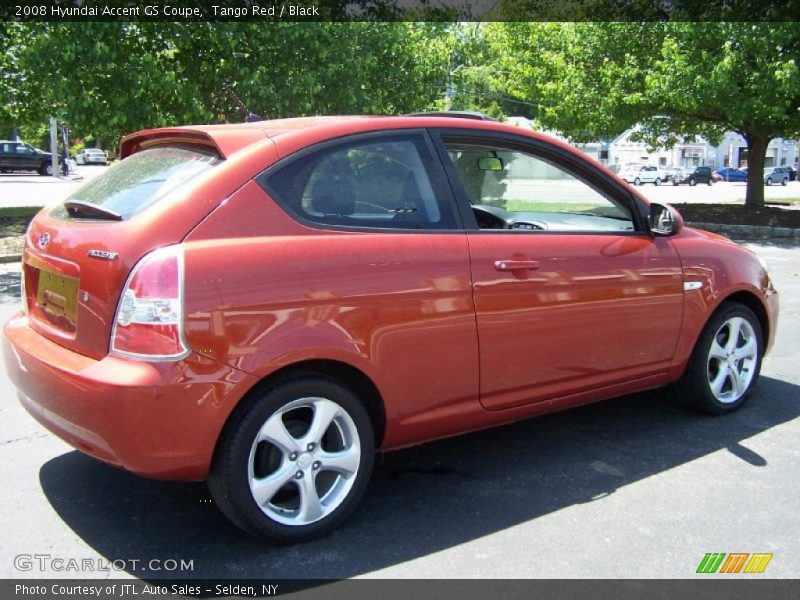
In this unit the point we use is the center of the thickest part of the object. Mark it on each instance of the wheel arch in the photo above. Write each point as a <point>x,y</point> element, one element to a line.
<point>751,301</point>
<point>345,374</point>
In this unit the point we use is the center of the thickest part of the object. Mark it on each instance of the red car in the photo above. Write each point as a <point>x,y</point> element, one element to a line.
<point>264,305</point>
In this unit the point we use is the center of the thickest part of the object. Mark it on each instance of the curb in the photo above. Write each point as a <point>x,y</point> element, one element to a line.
<point>9,258</point>
<point>750,231</point>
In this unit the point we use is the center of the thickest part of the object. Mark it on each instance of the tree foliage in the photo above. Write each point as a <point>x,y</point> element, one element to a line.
<point>674,79</point>
<point>107,79</point>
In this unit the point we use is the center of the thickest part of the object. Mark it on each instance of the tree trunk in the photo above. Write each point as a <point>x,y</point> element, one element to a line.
<point>756,151</point>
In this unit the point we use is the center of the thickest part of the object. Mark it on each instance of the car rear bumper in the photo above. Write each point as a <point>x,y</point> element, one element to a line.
<point>155,419</point>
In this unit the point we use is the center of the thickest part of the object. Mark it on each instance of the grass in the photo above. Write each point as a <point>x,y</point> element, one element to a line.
<point>18,212</point>
<point>531,206</point>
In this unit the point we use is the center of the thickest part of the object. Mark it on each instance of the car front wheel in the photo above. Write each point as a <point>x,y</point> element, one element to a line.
<point>657,181</point>
<point>784,181</point>
<point>768,181</point>
<point>692,182</point>
<point>725,363</point>
<point>46,169</point>
<point>637,181</point>
<point>295,463</point>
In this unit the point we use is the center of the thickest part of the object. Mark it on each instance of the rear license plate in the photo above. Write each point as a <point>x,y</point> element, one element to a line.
<point>57,298</point>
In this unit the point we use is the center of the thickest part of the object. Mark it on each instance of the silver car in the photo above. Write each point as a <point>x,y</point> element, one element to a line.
<point>91,156</point>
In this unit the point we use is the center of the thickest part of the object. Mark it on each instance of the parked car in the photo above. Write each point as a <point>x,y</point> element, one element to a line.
<point>637,175</point>
<point>731,174</point>
<point>264,305</point>
<point>19,156</point>
<point>91,156</point>
<point>695,175</point>
<point>776,175</point>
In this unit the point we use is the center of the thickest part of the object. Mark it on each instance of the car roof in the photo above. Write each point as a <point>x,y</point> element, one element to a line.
<point>232,137</point>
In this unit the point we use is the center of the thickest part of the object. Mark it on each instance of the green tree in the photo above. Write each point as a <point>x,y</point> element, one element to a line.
<point>108,79</point>
<point>674,79</point>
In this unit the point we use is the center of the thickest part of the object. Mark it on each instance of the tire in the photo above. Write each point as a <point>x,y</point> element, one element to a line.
<point>768,181</point>
<point>637,181</point>
<point>333,463</point>
<point>715,380</point>
<point>710,182</point>
<point>46,169</point>
<point>784,181</point>
<point>692,182</point>
<point>657,182</point>
<point>675,183</point>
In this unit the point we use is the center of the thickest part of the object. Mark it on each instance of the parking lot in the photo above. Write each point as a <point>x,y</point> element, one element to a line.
<point>636,487</point>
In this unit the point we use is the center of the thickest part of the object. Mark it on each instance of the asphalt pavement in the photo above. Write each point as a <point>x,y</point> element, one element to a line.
<point>635,487</point>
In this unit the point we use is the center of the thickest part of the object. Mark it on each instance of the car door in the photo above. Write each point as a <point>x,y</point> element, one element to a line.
<point>6,149</point>
<point>24,157</point>
<point>570,292</point>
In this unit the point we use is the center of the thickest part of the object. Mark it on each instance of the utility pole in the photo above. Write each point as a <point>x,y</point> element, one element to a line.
<point>54,145</point>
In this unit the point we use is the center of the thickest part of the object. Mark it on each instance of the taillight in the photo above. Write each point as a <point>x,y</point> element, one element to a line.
<point>149,321</point>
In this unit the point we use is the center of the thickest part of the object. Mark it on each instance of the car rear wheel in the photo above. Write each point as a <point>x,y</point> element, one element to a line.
<point>768,181</point>
<point>710,181</point>
<point>637,181</point>
<point>784,181</point>
<point>46,168</point>
<point>725,363</point>
<point>295,463</point>
<point>692,181</point>
<point>657,181</point>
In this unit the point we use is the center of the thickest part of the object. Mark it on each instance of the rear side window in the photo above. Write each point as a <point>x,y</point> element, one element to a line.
<point>140,180</point>
<point>388,183</point>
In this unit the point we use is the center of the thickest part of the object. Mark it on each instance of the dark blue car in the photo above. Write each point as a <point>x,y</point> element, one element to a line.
<point>731,174</point>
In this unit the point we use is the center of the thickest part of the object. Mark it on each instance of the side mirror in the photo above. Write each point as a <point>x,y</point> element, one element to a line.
<point>490,163</point>
<point>664,220</point>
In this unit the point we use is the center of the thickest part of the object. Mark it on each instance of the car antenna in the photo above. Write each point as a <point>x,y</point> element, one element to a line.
<point>249,117</point>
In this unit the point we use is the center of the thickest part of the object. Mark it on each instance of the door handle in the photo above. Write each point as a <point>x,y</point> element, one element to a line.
<point>514,265</point>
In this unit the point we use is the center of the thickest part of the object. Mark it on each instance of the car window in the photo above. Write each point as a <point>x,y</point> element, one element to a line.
<point>511,189</point>
<point>384,183</point>
<point>142,179</point>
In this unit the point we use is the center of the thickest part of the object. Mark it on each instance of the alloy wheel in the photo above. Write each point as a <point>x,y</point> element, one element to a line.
<point>304,461</point>
<point>732,360</point>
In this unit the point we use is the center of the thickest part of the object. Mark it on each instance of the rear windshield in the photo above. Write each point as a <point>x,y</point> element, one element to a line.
<point>131,185</point>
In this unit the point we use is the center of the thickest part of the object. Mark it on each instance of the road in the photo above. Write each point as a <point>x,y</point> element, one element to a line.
<point>636,487</point>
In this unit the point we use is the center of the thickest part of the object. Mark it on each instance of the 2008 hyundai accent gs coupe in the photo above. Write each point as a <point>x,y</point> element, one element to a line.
<point>263,305</point>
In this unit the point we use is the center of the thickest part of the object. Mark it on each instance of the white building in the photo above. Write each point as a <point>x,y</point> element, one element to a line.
<point>731,152</point>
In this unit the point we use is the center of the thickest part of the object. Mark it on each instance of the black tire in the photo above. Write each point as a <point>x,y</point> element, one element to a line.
<point>46,169</point>
<point>675,183</point>
<point>694,388</point>
<point>692,182</point>
<point>229,480</point>
<point>768,181</point>
<point>657,182</point>
<point>710,181</point>
<point>784,181</point>
<point>637,181</point>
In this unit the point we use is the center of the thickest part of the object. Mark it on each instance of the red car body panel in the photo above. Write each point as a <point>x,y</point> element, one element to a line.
<point>424,316</point>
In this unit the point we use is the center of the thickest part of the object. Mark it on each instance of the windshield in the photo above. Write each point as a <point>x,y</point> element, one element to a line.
<point>140,180</point>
